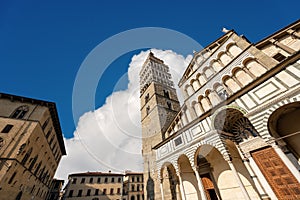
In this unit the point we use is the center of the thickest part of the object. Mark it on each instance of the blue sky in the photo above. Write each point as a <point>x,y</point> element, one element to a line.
<point>42,44</point>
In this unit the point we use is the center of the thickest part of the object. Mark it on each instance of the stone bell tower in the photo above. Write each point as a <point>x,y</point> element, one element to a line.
<point>159,106</point>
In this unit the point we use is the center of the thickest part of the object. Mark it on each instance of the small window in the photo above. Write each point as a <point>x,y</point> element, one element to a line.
<point>148,110</point>
<point>178,141</point>
<point>74,180</point>
<point>104,191</point>
<point>138,188</point>
<point>166,94</point>
<point>138,179</point>
<point>111,190</point>
<point>132,179</point>
<point>98,180</point>
<point>79,193</point>
<point>97,192</point>
<point>279,57</point>
<point>91,180</point>
<point>119,190</point>
<point>7,128</point>
<point>169,105</point>
<point>119,180</point>
<point>147,98</point>
<point>132,188</point>
<point>112,180</point>
<point>82,180</point>
<point>105,180</point>
<point>20,112</point>
<point>88,192</point>
<point>71,193</point>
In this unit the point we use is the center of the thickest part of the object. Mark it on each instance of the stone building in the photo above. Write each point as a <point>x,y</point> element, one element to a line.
<point>56,189</point>
<point>94,186</point>
<point>236,135</point>
<point>133,186</point>
<point>31,146</point>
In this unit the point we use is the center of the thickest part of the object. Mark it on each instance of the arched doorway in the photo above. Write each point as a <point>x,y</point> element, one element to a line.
<point>284,126</point>
<point>204,170</point>
<point>235,129</point>
<point>189,181</point>
<point>170,182</point>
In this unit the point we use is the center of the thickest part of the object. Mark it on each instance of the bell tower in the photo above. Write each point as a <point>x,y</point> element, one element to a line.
<point>159,106</point>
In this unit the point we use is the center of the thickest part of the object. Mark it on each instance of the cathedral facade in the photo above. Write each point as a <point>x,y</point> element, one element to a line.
<point>237,133</point>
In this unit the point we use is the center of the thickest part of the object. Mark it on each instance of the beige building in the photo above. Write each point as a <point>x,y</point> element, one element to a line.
<point>94,186</point>
<point>31,146</point>
<point>133,186</point>
<point>237,133</point>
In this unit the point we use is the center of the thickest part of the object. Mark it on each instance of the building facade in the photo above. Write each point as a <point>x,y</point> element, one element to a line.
<point>94,186</point>
<point>237,134</point>
<point>133,186</point>
<point>56,189</point>
<point>31,146</point>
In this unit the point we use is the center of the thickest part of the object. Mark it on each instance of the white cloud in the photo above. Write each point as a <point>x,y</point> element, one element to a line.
<point>109,138</point>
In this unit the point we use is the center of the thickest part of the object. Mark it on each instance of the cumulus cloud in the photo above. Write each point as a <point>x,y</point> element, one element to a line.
<point>109,138</point>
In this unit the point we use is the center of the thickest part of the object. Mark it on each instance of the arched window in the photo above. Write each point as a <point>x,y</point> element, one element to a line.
<point>231,84</point>
<point>243,77</point>
<point>208,72</point>
<point>255,68</point>
<point>234,50</point>
<point>222,93</point>
<point>225,59</point>
<point>132,198</point>
<point>197,108</point>
<point>195,84</point>
<point>213,97</point>
<point>217,66</point>
<point>20,112</point>
<point>205,104</point>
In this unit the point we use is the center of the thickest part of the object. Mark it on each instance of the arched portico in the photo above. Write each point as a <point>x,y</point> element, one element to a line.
<point>169,182</point>
<point>188,179</point>
<point>234,128</point>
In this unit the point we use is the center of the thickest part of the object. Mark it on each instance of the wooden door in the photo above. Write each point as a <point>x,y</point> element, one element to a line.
<point>280,178</point>
<point>209,187</point>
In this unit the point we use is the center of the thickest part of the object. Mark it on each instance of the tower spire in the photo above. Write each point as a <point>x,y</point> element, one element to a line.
<point>154,70</point>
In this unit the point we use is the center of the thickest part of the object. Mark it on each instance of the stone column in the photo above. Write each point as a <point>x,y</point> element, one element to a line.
<point>162,189</point>
<point>238,179</point>
<point>287,162</point>
<point>200,185</point>
<point>181,187</point>
<point>184,118</point>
